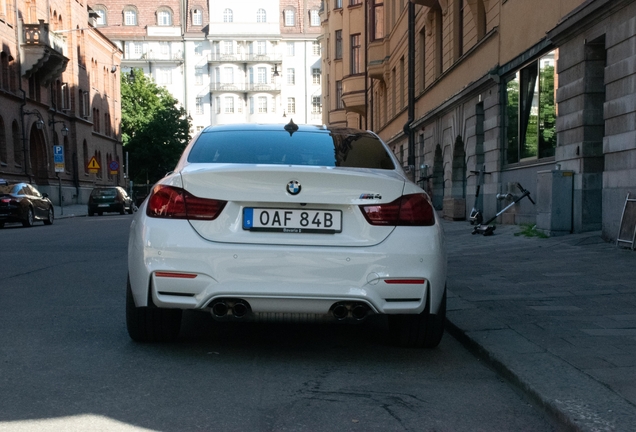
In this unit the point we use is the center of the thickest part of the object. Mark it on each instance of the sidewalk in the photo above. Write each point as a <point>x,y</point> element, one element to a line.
<point>73,210</point>
<point>557,316</point>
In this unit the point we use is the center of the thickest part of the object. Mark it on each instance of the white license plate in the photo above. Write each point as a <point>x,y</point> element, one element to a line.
<point>293,221</point>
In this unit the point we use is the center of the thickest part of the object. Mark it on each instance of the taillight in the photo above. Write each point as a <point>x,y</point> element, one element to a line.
<point>176,203</point>
<point>408,210</point>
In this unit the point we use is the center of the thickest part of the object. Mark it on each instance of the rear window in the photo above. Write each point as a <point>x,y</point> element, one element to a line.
<point>351,150</point>
<point>104,192</point>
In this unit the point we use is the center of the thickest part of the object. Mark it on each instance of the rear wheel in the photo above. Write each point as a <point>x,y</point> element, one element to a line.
<point>424,330</point>
<point>100,213</point>
<point>49,217</point>
<point>123,209</point>
<point>29,218</point>
<point>151,324</point>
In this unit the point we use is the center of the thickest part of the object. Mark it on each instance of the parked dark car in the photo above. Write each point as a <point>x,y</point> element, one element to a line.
<point>22,202</point>
<point>109,199</point>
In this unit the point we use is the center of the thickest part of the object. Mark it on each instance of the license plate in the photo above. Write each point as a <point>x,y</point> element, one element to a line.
<point>103,205</point>
<point>292,221</point>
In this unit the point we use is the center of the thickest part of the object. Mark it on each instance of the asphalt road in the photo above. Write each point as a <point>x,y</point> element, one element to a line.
<point>67,363</point>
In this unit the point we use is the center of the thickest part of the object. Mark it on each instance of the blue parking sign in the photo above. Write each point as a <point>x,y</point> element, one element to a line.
<point>58,158</point>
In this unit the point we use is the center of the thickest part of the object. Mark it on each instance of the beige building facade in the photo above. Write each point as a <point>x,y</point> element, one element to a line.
<point>59,99</point>
<point>534,93</point>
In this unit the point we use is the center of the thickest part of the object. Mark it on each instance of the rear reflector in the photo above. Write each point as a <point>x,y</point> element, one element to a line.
<point>175,275</point>
<point>408,210</point>
<point>177,203</point>
<point>405,281</point>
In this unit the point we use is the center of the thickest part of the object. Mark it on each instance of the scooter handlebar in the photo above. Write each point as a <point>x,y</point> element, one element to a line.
<point>526,193</point>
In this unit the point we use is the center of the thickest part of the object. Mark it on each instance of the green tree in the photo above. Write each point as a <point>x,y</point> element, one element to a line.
<point>155,129</point>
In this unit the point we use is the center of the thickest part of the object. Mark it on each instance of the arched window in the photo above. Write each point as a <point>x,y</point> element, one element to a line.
<point>314,18</point>
<point>290,18</point>
<point>18,152</point>
<point>3,144</point>
<point>130,16</point>
<point>228,15</point>
<point>197,17</point>
<point>100,11</point>
<point>261,16</point>
<point>164,17</point>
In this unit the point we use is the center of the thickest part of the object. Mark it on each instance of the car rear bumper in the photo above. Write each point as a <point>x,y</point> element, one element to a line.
<point>171,264</point>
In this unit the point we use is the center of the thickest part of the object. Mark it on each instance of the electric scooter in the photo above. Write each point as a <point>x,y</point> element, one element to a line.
<point>476,217</point>
<point>487,229</point>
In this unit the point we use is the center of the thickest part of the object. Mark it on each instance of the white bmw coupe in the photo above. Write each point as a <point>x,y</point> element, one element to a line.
<point>300,223</point>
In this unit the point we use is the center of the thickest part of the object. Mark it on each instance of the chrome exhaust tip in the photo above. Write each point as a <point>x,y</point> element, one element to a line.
<point>219,309</point>
<point>240,309</point>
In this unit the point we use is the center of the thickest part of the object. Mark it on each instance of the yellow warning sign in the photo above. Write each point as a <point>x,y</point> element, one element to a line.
<point>93,166</point>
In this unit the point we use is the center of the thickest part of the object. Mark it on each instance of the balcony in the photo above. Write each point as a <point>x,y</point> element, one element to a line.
<point>353,94</point>
<point>245,58</point>
<point>377,64</point>
<point>154,57</point>
<point>245,87</point>
<point>43,52</point>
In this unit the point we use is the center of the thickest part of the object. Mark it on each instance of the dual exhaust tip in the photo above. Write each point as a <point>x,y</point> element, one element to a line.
<point>237,308</point>
<point>344,310</point>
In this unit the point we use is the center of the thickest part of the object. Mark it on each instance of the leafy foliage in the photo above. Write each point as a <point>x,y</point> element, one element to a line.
<point>155,129</point>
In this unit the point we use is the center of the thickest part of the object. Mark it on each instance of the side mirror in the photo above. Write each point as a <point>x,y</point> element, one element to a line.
<point>45,195</point>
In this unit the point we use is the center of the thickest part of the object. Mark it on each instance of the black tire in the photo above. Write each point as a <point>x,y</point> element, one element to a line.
<point>100,213</point>
<point>28,222</point>
<point>91,213</point>
<point>49,217</point>
<point>1,225</point>
<point>151,324</point>
<point>122,210</point>
<point>424,330</point>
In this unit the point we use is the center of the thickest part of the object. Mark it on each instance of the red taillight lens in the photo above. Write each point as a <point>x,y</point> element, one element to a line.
<point>408,210</point>
<point>176,203</point>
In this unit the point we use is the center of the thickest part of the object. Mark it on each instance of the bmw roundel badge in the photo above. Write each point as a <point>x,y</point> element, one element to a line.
<point>293,187</point>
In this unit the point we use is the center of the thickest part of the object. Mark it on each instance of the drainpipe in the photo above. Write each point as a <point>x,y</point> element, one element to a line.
<point>411,90</point>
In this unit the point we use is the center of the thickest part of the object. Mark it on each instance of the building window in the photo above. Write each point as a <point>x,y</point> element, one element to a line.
<point>217,105</point>
<point>164,49</point>
<point>377,20</point>
<point>314,18</point>
<point>164,76</point>
<point>337,4</point>
<point>228,15</point>
<point>339,103</point>
<point>316,106</point>
<point>228,75</point>
<point>315,74</point>
<point>164,17</point>
<point>291,49</point>
<point>130,16</point>
<point>199,106</point>
<point>354,2</point>
<point>261,75</point>
<point>338,39</point>
<point>316,48</point>
<point>197,17</point>
<point>228,47</point>
<point>198,76</point>
<point>262,104</point>
<point>261,16</point>
<point>291,105</point>
<point>356,67</point>
<point>261,48</point>
<point>531,111</point>
<point>291,76</point>
<point>290,19</point>
<point>101,16</point>
<point>229,105</point>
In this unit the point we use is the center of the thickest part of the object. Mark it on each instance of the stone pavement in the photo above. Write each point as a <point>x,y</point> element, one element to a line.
<point>556,316</point>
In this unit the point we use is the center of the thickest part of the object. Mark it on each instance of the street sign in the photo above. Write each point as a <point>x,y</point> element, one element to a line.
<point>114,167</point>
<point>58,158</point>
<point>93,166</point>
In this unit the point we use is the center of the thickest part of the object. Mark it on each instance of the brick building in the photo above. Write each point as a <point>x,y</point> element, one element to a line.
<point>59,86</point>
<point>538,93</point>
